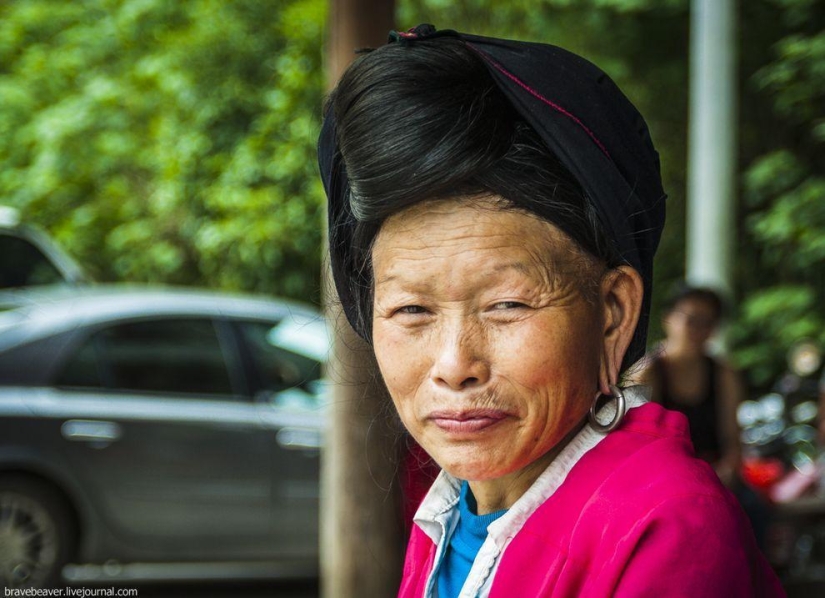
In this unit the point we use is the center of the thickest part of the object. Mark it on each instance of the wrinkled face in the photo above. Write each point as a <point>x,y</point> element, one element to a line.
<point>488,348</point>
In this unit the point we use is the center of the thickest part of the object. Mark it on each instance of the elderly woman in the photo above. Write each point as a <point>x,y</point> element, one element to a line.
<point>494,208</point>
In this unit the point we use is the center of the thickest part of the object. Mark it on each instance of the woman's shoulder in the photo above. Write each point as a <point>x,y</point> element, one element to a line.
<point>651,454</point>
<point>636,507</point>
<point>659,503</point>
<point>646,462</point>
<point>649,460</point>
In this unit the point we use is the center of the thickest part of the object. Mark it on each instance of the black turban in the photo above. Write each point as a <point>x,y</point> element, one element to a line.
<point>582,116</point>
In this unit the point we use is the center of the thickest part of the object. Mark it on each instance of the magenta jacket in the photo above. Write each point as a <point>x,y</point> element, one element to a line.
<point>637,516</point>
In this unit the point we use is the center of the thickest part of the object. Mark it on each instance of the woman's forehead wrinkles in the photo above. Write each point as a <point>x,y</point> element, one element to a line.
<point>517,266</point>
<point>538,276</point>
<point>392,276</point>
<point>386,280</point>
<point>471,242</point>
<point>419,236</point>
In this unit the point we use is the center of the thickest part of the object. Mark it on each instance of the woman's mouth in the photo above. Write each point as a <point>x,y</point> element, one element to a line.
<point>468,421</point>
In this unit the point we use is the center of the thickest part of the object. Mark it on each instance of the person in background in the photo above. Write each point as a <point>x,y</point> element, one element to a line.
<point>685,377</point>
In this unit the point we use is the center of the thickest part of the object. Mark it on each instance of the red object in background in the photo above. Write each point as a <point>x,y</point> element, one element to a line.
<point>761,474</point>
<point>418,471</point>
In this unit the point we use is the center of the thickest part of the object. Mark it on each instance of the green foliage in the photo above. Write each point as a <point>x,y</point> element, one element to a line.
<point>168,141</point>
<point>796,79</point>
<point>772,320</point>
<point>784,193</point>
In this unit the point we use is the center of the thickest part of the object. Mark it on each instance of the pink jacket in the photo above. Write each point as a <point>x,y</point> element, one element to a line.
<point>637,516</point>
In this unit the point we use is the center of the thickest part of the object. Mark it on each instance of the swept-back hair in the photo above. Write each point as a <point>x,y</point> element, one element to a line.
<point>427,122</point>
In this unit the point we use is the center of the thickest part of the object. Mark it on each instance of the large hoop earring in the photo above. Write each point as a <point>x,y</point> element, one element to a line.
<point>621,409</point>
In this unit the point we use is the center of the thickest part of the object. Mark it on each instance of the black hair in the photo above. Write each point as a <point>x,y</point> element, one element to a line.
<point>426,121</point>
<point>709,296</point>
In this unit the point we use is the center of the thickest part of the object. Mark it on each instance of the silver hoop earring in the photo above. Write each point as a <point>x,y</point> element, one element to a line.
<point>621,409</point>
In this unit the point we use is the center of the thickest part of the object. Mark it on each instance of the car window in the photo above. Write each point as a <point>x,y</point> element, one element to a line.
<point>82,369</point>
<point>23,264</point>
<point>303,334</point>
<point>277,368</point>
<point>168,356</point>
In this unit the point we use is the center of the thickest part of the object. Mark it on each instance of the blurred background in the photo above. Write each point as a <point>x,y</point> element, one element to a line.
<point>173,143</point>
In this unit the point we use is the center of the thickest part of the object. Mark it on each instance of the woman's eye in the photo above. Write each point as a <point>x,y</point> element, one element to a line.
<point>410,309</point>
<point>507,305</point>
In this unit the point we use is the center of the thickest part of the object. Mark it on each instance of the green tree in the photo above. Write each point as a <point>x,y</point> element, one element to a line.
<point>168,141</point>
<point>782,270</point>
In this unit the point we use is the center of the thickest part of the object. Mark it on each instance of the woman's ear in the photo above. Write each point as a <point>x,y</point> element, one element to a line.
<point>622,291</point>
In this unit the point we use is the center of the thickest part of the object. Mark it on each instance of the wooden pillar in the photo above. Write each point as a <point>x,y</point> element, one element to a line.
<point>361,536</point>
<point>356,24</point>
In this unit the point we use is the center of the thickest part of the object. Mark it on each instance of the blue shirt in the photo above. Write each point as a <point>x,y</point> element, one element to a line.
<point>465,542</point>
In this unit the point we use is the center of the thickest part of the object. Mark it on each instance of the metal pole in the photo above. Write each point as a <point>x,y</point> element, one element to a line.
<point>361,529</point>
<point>711,229</point>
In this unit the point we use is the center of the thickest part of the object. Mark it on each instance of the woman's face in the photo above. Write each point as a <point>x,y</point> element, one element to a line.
<point>691,323</point>
<point>488,348</point>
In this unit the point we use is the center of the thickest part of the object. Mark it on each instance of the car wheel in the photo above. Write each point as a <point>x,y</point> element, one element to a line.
<point>36,533</point>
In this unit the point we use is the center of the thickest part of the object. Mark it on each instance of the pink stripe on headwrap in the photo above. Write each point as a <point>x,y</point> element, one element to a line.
<point>540,97</point>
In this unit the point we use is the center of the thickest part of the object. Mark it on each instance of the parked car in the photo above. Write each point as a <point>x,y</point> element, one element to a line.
<point>162,433</point>
<point>29,257</point>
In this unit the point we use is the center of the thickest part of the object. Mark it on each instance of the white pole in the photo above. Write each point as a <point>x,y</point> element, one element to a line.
<point>711,229</point>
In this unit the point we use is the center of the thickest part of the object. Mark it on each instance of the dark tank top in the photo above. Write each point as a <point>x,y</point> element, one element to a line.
<point>702,416</point>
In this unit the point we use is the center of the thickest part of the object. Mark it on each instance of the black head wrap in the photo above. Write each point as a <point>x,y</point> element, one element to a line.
<point>581,115</point>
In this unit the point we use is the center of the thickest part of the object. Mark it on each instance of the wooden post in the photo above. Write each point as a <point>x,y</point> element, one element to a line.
<point>356,24</point>
<point>361,533</point>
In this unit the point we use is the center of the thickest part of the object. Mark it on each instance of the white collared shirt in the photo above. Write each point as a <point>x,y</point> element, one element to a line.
<point>438,514</point>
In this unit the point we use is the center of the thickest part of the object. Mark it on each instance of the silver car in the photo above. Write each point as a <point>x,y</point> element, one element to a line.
<point>158,434</point>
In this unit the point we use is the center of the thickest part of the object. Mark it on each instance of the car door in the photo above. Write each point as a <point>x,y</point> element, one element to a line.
<point>284,371</point>
<point>155,424</point>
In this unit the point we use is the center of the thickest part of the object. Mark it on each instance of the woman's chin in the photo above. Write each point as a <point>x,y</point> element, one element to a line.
<point>471,467</point>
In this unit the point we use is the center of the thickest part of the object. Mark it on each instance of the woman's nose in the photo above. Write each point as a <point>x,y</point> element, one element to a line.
<point>460,361</point>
